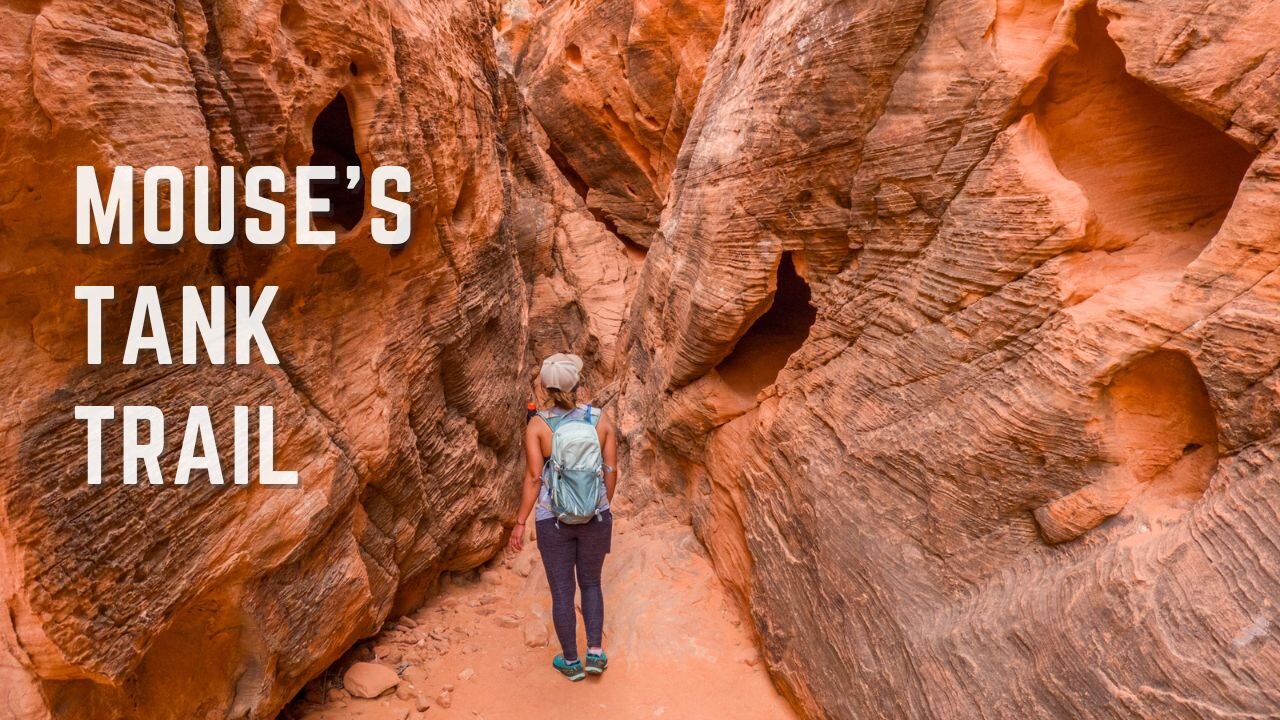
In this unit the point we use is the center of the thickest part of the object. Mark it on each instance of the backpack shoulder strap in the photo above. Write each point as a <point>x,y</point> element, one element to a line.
<point>594,419</point>
<point>552,421</point>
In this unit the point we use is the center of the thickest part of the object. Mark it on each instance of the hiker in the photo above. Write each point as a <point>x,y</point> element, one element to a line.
<point>571,453</point>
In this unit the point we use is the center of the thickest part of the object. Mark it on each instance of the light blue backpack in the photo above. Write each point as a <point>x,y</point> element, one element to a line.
<point>576,477</point>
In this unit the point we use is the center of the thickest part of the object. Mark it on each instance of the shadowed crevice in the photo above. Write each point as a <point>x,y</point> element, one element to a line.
<point>763,351</point>
<point>334,144</point>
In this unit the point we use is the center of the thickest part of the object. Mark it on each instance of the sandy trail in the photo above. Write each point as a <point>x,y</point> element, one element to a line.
<point>483,646</point>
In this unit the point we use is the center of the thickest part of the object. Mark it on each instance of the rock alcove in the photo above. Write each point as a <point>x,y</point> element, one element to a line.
<point>1160,436</point>
<point>763,351</point>
<point>334,142</point>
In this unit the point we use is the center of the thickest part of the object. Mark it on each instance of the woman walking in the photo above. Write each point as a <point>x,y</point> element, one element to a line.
<point>570,455</point>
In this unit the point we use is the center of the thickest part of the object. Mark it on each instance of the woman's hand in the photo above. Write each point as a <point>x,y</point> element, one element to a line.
<point>517,538</point>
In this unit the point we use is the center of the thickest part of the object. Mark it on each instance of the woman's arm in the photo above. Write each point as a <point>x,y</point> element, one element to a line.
<point>609,446</point>
<point>532,481</point>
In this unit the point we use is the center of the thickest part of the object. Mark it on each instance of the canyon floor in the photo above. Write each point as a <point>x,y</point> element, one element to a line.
<point>482,647</point>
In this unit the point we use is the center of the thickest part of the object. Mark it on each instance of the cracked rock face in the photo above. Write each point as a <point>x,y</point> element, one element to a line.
<point>399,398</point>
<point>1019,456</point>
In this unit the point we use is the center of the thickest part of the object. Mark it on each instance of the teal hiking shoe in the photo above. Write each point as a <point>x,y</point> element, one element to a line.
<point>597,662</point>
<point>571,670</point>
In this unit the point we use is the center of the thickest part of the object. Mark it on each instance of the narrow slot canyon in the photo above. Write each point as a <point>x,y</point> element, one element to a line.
<point>333,140</point>
<point>1026,466</point>
<point>481,646</point>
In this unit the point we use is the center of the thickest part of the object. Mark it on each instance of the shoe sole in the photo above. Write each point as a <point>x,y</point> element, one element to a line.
<point>596,671</point>
<point>575,678</point>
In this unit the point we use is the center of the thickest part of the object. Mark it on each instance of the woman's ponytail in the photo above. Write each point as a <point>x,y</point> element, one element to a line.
<point>565,399</point>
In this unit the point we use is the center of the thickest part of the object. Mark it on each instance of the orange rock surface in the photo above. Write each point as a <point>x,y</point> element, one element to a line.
<point>401,390</point>
<point>613,83</point>
<point>1020,457</point>
<point>953,329</point>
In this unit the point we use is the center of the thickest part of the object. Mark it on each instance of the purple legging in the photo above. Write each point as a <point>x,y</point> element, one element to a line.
<point>569,550</point>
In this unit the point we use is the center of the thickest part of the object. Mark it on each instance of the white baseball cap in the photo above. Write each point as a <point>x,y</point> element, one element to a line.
<point>560,371</point>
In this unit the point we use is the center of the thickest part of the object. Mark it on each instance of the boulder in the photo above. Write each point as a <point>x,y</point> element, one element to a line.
<point>369,680</point>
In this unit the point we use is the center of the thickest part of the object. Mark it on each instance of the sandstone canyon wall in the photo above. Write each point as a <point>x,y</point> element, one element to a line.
<point>614,85</point>
<point>403,375</point>
<point>959,332</point>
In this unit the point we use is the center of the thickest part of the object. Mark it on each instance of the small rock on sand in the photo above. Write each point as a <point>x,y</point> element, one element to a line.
<point>445,699</point>
<point>466,674</point>
<point>415,675</point>
<point>387,653</point>
<point>535,634</point>
<point>523,566</point>
<point>369,680</point>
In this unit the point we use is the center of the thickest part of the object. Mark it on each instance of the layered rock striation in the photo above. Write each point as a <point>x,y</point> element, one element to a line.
<point>613,83</point>
<point>1012,449</point>
<point>951,326</point>
<point>403,370</point>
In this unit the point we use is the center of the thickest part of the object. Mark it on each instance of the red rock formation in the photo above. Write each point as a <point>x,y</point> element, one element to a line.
<point>1039,241</point>
<point>614,82</point>
<point>577,272</point>
<point>956,337</point>
<point>401,388</point>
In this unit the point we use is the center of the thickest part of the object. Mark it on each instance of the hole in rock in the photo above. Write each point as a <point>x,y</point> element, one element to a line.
<point>334,143</point>
<point>573,56</point>
<point>763,351</point>
<point>1145,164</point>
<point>1161,451</point>
<point>1164,428</point>
<point>464,207</point>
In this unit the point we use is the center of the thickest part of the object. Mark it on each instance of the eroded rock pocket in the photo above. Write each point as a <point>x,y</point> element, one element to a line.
<point>334,142</point>
<point>763,351</point>
<point>1146,164</point>
<point>1161,439</point>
